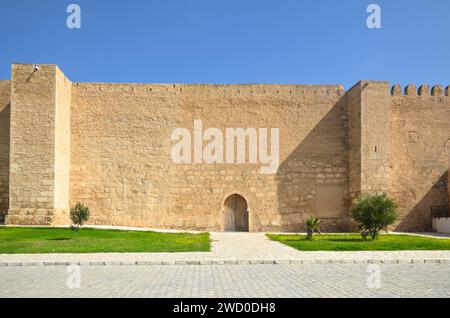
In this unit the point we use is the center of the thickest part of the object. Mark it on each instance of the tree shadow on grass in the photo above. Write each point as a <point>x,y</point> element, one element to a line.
<point>355,240</point>
<point>329,240</point>
<point>60,239</point>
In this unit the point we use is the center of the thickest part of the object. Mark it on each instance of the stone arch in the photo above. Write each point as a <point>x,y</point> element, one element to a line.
<point>235,214</point>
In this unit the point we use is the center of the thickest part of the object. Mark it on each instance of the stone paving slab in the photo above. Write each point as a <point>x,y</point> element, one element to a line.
<point>228,249</point>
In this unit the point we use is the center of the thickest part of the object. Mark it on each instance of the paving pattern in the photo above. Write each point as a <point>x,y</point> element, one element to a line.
<point>234,281</point>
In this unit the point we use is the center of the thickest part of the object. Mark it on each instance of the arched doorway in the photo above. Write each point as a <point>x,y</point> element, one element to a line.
<point>235,214</point>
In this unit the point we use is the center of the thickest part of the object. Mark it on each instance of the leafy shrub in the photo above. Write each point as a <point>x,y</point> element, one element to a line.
<point>374,213</point>
<point>312,226</point>
<point>79,214</point>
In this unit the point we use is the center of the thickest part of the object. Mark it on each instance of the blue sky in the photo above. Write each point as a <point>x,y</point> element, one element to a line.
<point>218,41</point>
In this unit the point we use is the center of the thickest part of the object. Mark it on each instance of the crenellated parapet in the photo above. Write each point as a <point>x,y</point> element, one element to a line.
<point>396,90</point>
<point>437,90</point>
<point>423,90</point>
<point>410,90</point>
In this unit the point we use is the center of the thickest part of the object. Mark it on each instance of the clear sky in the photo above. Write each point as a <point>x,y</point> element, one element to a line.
<point>231,41</point>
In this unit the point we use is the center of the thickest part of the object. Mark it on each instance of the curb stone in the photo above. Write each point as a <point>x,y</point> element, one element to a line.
<point>193,262</point>
<point>80,263</point>
<point>390,261</point>
<point>404,261</point>
<point>68,263</point>
<point>206,262</point>
<point>435,261</point>
<point>417,261</point>
<point>228,262</point>
<point>143,263</point>
<point>168,263</point>
<point>14,264</point>
<point>340,261</point>
<point>219,262</point>
<point>49,263</point>
<point>128,263</point>
<point>358,261</point>
<point>282,262</point>
<point>33,264</point>
<point>111,263</point>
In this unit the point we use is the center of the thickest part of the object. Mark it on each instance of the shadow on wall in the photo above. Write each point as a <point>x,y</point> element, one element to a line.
<point>418,219</point>
<point>313,180</point>
<point>4,160</point>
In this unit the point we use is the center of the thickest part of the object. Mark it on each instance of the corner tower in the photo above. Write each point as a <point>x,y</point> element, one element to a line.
<point>369,137</point>
<point>39,146</point>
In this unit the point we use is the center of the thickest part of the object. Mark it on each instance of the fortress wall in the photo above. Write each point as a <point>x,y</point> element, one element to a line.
<point>5,91</point>
<point>420,151</point>
<point>121,165</point>
<point>109,147</point>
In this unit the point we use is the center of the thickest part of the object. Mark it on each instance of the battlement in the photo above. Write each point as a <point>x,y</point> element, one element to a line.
<point>423,90</point>
<point>244,90</point>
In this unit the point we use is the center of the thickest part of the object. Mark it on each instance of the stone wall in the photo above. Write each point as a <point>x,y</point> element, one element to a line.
<point>353,100</point>
<point>369,143</point>
<point>39,97</point>
<point>62,148</point>
<point>375,141</point>
<point>109,146</point>
<point>420,150</point>
<point>121,165</point>
<point>5,90</point>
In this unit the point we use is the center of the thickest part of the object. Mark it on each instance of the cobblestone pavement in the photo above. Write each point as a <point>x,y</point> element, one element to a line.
<point>230,247</point>
<point>234,281</point>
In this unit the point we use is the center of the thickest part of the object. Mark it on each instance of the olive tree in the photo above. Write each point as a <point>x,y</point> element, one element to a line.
<point>374,213</point>
<point>79,214</point>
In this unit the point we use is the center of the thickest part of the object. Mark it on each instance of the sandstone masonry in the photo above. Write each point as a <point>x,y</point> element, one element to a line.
<point>109,146</point>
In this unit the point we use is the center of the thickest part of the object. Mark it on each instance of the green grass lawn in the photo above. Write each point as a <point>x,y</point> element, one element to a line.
<point>353,242</point>
<point>14,240</point>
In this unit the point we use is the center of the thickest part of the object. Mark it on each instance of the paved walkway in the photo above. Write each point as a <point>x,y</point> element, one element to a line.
<point>234,281</point>
<point>229,248</point>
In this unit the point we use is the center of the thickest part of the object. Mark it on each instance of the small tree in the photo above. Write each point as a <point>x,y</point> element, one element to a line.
<point>312,225</point>
<point>374,213</point>
<point>79,214</point>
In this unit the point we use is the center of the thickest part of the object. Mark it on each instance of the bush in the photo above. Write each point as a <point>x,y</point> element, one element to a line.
<point>374,213</point>
<point>312,225</point>
<point>79,214</point>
